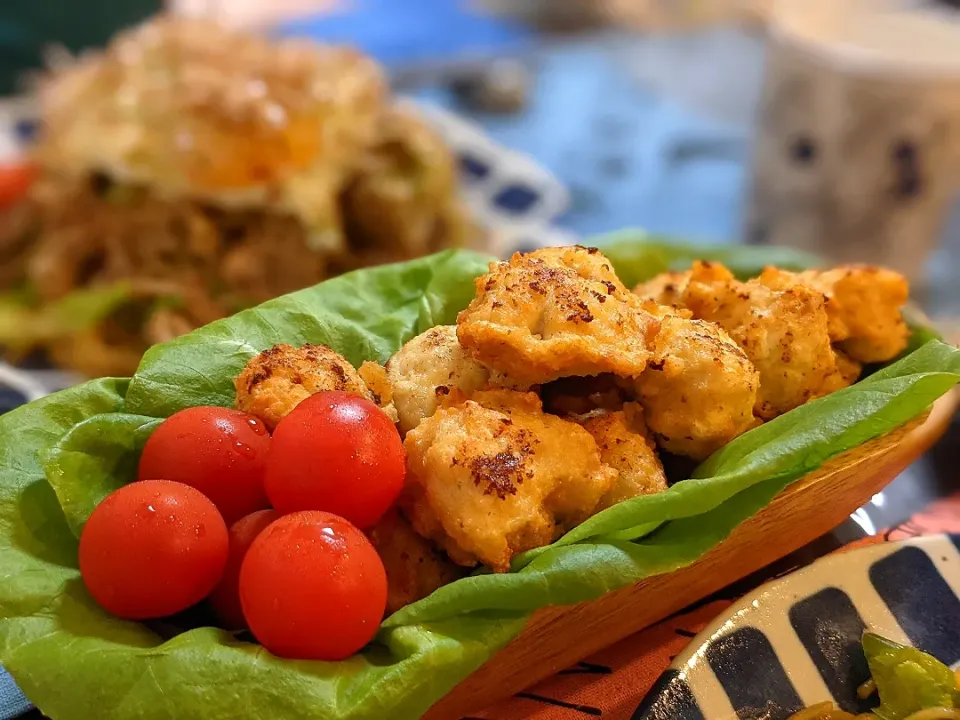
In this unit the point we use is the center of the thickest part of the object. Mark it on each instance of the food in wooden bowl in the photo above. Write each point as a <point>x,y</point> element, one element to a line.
<point>536,399</point>
<point>188,171</point>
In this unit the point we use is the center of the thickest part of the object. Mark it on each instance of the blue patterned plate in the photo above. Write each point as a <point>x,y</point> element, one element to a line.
<point>795,642</point>
<point>17,388</point>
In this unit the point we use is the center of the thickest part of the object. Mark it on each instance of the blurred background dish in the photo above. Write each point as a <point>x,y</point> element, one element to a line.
<point>188,171</point>
<point>858,140</point>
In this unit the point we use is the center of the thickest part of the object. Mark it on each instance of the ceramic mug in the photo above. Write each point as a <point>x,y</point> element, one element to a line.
<point>858,139</point>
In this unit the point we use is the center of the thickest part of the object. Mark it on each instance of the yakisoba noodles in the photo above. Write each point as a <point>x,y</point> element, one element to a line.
<point>829,711</point>
<point>226,169</point>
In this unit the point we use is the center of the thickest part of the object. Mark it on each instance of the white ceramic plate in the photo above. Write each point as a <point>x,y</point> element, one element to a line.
<point>795,642</point>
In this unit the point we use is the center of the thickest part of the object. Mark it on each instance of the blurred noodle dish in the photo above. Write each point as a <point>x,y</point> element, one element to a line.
<point>187,171</point>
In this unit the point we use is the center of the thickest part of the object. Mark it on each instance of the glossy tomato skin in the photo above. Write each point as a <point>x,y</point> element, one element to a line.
<point>152,549</point>
<point>15,182</point>
<point>219,451</point>
<point>312,587</point>
<point>339,453</point>
<point>225,598</point>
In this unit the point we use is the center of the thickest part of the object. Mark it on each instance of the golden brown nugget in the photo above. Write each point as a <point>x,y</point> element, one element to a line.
<point>664,289</point>
<point>277,380</point>
<point>626,446</point>
<point>374,376</point>
<point>782,326</point>
<point>495,476</point>
<point>700,388</point>
<point>427,367</point>
<point>865,306</point>
<point>553,313</point>
<point>414,568</point>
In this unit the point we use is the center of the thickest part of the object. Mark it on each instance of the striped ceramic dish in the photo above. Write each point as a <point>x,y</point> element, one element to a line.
<point>18,387</point>
<point>796,641</point>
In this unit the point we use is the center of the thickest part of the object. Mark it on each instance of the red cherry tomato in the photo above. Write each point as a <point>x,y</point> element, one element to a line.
<point>313,587</point>
<point>15,181</point>
<point>152,549</point>
<point>220,452</point>
<point>339,453</point>
<point>225,598</point>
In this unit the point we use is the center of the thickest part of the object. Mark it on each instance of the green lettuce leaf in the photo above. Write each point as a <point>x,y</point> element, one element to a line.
<point>22,325</point>
<point>907,679</point>
<point>61,455</point>
<point>94,458</point>
<point>637,256</point>
<point>365,315</point>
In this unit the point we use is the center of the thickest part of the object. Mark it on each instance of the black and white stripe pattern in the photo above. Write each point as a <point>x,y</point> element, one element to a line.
<point>18,388</point>
<point>796,641</point>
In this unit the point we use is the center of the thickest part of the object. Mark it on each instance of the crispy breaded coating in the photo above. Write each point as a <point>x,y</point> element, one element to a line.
<point>625,445</point>
<point>494,476</point>
<point>699,389</point>
<point>665,289</point>
<point>428,366</point>
<point>864,304</point>
<point>782,326</point>
<point>374,376</point>
<point>659,310</point>
<point>277,380</point>
<point>849,369</point>
<point>556,312</point>
<point>864,320</point>
<point>414,568</point>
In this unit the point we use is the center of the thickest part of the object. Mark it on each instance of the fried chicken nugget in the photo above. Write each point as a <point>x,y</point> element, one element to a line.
<point>428,366</point>
<point>556,312</point>
<point>277,380</point>
<point>665,289</point>
<point>782,326</point>
<point>414,568</point>
<point>849,369</point>
<point>864,304</point>
<point>374,376</point>
<point>699,389</point>
<point>494,475</point>
<point>625,445</point>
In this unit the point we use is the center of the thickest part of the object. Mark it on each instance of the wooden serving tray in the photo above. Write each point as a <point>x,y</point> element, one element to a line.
<point>558,637</point>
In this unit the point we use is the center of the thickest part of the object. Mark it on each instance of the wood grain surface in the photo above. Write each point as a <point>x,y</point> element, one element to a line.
<point>558,637</point>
